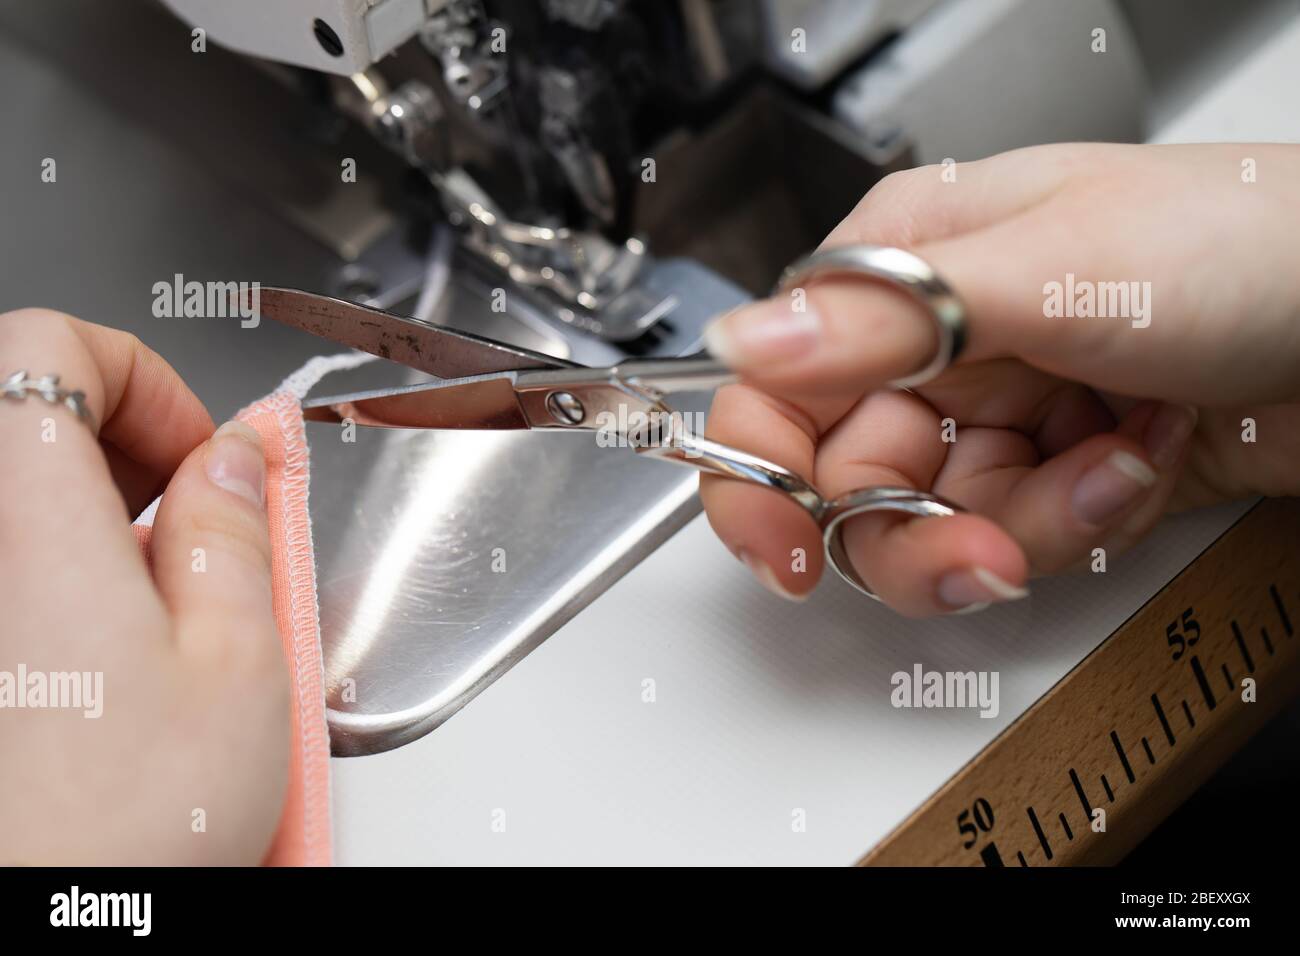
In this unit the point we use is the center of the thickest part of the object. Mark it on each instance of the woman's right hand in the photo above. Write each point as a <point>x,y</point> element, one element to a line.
<point>1071,432</point>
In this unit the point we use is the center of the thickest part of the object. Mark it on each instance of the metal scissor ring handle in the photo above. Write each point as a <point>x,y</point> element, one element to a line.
<point>906,272</point>
<point>919,504</point>
<point>716,458</point>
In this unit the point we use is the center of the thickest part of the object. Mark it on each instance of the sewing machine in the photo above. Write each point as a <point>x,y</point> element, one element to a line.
<point>591,179</point>
<point>575,144</point>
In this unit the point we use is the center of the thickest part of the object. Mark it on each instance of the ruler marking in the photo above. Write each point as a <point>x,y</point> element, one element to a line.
<point>1245,652</point>
<point>991,856</point>
<point>1078,710</point>
<point>1083,797</point>
<point>1038,829</point>
<point>1205,684</point>
<point>1281,610</point>
<point>1164,721</point>
<point>1123,757</point>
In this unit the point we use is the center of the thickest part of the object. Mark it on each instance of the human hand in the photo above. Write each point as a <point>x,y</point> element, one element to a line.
<point>194,696</point>
<point>1071,433</point>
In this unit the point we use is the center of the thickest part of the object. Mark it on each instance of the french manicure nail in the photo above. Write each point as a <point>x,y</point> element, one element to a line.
<point>1108,488</point>
<point>767,577</point>
<point>971,589</point>
<point>235,462</point>
<point>765,333</point>
<point>1167,434</point>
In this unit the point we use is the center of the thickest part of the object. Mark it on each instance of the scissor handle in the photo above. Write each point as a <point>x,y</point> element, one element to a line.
<point>905,272</point>
<point>898,268</point>
<point>716,458</point>
<point>919,504</point>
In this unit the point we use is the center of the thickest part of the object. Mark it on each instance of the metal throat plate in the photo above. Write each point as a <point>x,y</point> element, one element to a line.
<point>444,557</point>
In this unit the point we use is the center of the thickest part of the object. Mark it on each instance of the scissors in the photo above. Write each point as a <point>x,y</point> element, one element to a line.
<point>484,384</point>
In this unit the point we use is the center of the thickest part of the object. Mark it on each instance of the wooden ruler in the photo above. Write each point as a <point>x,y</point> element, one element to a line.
<point>1138,725</point>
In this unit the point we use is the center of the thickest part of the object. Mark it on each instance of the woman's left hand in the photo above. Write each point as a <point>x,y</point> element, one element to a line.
<point>175,747</point>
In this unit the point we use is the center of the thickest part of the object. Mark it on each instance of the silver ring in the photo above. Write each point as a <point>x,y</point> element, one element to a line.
<point>904,271</point>
<point>18,386</point>
<point>919,504</point>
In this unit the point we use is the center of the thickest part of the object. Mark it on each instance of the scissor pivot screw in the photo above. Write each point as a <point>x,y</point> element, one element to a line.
<point>565,408</point>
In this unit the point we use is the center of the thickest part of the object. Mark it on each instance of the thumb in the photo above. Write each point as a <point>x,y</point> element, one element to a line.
<point>212,551</point>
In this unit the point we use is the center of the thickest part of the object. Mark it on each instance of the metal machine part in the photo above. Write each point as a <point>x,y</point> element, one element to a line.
<point>331,36</point>
<point>559,86</point>
<point>565,97</point>
<point>445,557</point>
<point>406,120</point>
<point>1065,70</point>
<point>584,269</point>
<point>473,64</point>
<point>529,120</point>
<point>591,276</point>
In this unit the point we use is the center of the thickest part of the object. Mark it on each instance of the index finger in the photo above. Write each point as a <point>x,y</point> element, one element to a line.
<point>150,420</point>
<point>59,507</point>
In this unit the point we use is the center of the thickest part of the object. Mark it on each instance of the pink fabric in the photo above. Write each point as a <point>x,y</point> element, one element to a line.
<point>303,837</point>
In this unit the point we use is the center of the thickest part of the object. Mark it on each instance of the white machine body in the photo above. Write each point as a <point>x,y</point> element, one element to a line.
<point>333,36</point>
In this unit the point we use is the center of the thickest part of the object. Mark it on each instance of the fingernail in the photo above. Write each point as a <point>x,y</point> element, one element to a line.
<point>972,589</point>
<point>1167,434</point>
<point>1108,488</point>
<point>235,461</point>
<point>764,333</point>
<point>767,577</point>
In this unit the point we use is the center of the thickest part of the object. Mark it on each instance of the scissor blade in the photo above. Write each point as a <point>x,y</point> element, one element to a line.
<point>483,401</point>
<point>420,345</point>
